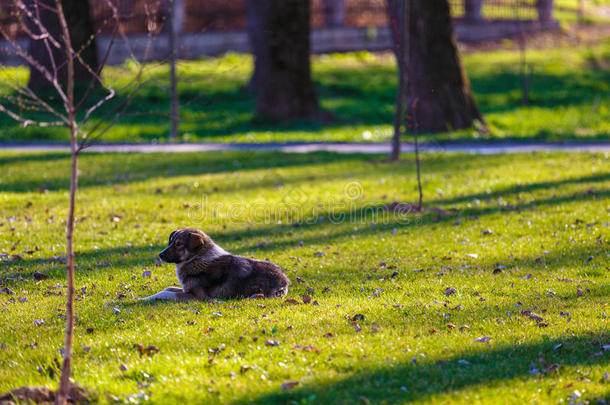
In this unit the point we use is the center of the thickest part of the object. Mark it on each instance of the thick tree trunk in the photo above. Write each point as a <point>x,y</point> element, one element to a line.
<point>437,83</point>
<point>79,20</point>
<point>279,36</point>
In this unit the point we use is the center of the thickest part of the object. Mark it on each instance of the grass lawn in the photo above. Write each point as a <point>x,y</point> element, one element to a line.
<point>537,328</point>
<point>568,101</point>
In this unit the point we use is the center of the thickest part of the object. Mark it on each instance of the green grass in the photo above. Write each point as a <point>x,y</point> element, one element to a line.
<point>568,101</point>
<point>566,11</point>
<point>549,218</point>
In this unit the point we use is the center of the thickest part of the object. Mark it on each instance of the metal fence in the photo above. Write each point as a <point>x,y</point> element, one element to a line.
<point>140,16</point>
<point>499,9</point>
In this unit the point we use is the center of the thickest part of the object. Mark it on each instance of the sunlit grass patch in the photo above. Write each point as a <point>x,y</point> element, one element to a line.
<point>512,252</point>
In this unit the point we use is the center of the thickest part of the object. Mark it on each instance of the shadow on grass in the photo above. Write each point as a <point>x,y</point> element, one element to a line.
<point>526,188</point>
<point>409,382</point>
<point>407,221</point>
<point>126,257</point>
<point>51,170</point>
<point>363,95</point>
<point>106,169</point>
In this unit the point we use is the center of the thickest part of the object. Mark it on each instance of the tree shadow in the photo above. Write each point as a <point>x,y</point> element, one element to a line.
<point>525,188</point>
<point>245,241</point>
<point>363,217</point>
<point>106,169</point>
<point>362,95</point>
<point>51,170</point>
<point>422,382</point>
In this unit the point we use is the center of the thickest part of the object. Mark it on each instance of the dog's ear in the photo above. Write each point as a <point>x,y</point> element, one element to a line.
<point>196,241</point>
<point>171,236</point>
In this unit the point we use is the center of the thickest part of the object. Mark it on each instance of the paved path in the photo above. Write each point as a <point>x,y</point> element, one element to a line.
<point>381,148</point>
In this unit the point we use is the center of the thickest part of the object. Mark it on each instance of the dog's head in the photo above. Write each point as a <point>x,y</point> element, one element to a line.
<point>184,244</point>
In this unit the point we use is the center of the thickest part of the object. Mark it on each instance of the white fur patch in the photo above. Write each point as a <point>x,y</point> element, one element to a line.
<point>163,295</point>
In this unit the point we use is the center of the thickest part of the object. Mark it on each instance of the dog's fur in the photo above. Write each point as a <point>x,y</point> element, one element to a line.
<point>207,271</point>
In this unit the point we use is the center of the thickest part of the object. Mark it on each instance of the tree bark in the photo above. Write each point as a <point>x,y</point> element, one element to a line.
<point>279,37</point>
<point>82,32</point>
<point>436,78</point>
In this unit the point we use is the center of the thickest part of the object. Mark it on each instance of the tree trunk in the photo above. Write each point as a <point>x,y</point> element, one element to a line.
<point>82,33</point>
<point>436,78</point>
<point>70,72</point>
<point>279,36</point>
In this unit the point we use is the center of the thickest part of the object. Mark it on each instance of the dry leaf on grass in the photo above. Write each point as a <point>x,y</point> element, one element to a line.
<point>288,385</point>
<point>149,350</point>
<point>292,301</point>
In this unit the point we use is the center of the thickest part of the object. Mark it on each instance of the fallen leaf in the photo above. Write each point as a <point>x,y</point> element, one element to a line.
<point>292,301</point>
<point>329,335</point>
<point>288,385</point>
<point>484,339</point>
<point>149,350</point>
<point>7,290</point>
<point>272,343</point>
<point>306,299</point>
<point>40,276</point>
<point>358,317</point>
<point>449,291</point>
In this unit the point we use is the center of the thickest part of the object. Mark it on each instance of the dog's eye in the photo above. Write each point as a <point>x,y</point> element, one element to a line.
<point>178,243</point>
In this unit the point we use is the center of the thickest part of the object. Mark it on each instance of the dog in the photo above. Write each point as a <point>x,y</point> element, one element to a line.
<point>207,271</point>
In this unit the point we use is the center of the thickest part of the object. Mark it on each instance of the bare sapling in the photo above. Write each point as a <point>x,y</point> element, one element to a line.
<point>87,110</point>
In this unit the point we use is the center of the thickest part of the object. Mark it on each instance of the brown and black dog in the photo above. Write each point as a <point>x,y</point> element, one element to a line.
<point>206,271</point>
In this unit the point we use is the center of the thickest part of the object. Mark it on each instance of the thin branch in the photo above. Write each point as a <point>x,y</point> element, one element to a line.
<point>35,64</point>
<point>27,92</point>
<point>43,30</point>
<point>101,66</point>
<point>27,122</point>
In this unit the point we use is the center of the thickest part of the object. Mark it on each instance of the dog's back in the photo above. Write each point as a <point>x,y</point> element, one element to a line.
<point>236,276</point>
